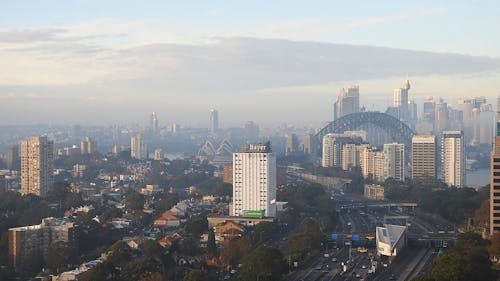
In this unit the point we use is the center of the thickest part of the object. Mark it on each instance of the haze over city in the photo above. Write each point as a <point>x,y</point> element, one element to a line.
<point>120,60</point>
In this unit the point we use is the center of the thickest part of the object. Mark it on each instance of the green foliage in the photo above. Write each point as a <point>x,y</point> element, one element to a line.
<point>196,225</point>
<point>309,237</point>
<point>211,246</point>
<point>453,204</point>
<point>468,261</point>
<point>235,250</point>
<point>134,201</point>
<point>61,256</point>
<point>264,264</point>
<point>200,275</point>
<point>264,231</point>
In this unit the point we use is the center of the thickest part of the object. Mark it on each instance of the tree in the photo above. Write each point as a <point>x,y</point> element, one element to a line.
<point>482,215</point>
<point>494,248</point>
<point>61,256</point>
<point>135,201</point>
<point>196,225</point>
<point>119,254</point>
<point>235,250</point>
<point>211,246</point>
<point>462,265</point>
<point>200,275</point>
<point>264,264</point>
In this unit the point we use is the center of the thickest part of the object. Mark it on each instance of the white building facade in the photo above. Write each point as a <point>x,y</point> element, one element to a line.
<point>453,158</point>
<point>254,180</point>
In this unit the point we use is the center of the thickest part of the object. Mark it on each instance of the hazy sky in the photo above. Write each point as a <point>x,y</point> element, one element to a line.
<point>103,62</point>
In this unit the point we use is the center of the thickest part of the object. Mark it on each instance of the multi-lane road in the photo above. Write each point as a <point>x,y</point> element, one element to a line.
<point>426,234</point>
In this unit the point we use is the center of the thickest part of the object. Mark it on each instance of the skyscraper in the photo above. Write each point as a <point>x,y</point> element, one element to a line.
<point>453,158</point>
<point>292,144</point>
<point>394,154</point>
<point>37,164</point>
<point>400,101</point>
<point>423,160</point>
<point>347,102</point>
<point>12,159</point>
<point>441,116</point>
<point>254,180</point>
<point>153,123</point>
<point>87,146</point>
<point>138,147</point>
<point>214,121</point>
<point>495,179</point>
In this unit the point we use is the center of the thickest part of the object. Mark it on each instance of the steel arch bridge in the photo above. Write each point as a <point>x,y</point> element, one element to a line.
<point>396,129</point>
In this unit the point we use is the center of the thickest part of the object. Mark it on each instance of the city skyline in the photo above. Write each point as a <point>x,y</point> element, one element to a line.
<point>65,58</point>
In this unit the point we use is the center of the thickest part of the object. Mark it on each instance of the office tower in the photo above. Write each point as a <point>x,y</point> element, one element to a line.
<point>37,164</point>
<point>88,146</point>
<point>309,145</point>
<point>292,144</point>
<point>138,147</point>
<point>441,116</point>
<point>412,114</point>
<point>158,155</point>
<point>394,154</point>
<point>400,101</point>
<point>475,126</point>
<point>254,180</point>
<point>25,241</point>
<point>214,121</point>
<point>429,110</point>
<point>347,102</point>
<point>251,130</point>
<point>12,157</point>
<point>453,158</point>
<point>423,160</point>
<point>153,123</point>
<point>486,124</point>
<point>495,178</point>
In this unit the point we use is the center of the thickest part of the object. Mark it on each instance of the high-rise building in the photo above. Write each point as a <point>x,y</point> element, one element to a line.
<point>26,241</point>
<point>352,155</point>
<point>423,160</point>
<point>441,116</point>
<point>292,144</point>
<point>153,123</point>
<point>214,121</point>
<point>486,124</point>
<point>158,154</point>
<point>495,178</point>
<point>37,164</point>
<point>332,148</point>
<point>138,147</point>
<point>400,101</point>
<point>309,145</point>
<point>254,180</point>
<point>394,154</point>
<point>12,158</point>
<point>453,158</point>
<point>88,146</point>
<point>374,164</point>
<point>347,102</point>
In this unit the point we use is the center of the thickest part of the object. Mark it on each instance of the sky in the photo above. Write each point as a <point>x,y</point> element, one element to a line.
<point>108,62</point>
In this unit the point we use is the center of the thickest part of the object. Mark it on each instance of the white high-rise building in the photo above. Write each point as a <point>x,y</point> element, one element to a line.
<point>347,102</point>
<point>37,165</point>
<point>453,158</point>
<point>138,147</point>
<point>254,180</point>
<point>332,148</point>
<point>395,160</point>
<point>373,164</point>
<point>214,121</point>
<point>352,155</point>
